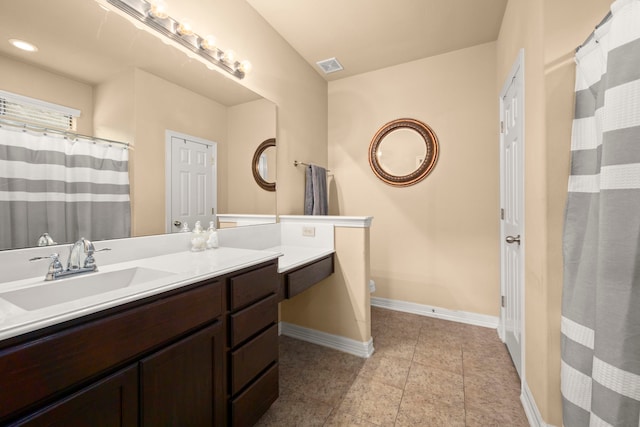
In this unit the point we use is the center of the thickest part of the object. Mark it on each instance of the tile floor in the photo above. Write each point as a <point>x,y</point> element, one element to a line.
<point>424,372</point>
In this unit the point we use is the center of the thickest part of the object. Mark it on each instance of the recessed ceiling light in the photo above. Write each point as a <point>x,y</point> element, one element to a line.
<point>330,65</point>
<point>23,45</point>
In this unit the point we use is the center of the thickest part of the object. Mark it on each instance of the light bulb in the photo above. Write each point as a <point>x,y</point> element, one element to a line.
<point>208,43</point>
<point>245,67</point>
<point>185,29</point>
<point>229,57</point>
<point>159,9</point>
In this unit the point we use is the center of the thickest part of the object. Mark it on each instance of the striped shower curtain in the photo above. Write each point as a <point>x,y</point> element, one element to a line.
<point>68,189</point>
<point>600,369</point>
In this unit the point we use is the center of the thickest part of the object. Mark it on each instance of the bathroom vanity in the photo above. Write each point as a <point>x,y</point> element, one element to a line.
<point>158,336</point>
<point>202,353</point>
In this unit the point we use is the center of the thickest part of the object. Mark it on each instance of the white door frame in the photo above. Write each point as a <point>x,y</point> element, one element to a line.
<point>168,135</point>
<point>518,67</point>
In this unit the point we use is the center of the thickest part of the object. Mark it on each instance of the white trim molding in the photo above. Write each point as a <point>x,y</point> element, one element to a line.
<point>530,408</point>
<point>337,221</point>
<point>440,313</point>
<point>336,342</point>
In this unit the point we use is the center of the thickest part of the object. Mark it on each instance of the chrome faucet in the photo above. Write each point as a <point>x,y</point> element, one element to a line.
<point>75,263</point>
<point>78,249</point>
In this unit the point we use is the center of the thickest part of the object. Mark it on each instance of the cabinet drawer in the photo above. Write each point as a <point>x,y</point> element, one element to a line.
<point>253,286</point>
<point>247,322</point>
<point>304,277</point>
<point>247,408</point>
<point>250,359</point>
<point>40,368</point>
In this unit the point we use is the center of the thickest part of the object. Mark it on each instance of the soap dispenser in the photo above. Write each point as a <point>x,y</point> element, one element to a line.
<point>198,238</point>
<point>212,239</point>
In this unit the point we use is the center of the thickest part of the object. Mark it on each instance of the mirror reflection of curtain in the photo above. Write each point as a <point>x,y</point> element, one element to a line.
<point>69,189</point>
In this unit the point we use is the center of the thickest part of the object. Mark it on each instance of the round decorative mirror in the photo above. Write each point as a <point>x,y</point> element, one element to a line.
<point>403,152</point>
<point>263,165</point>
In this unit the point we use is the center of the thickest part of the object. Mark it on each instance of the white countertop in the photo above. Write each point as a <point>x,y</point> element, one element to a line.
<point>184,267</point>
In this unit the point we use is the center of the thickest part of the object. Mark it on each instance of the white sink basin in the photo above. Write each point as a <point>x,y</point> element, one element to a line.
<point>80,286</point>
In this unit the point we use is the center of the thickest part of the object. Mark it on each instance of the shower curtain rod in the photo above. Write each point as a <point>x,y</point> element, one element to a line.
<point>27,126</point>
<point>296,163</point>
<point>604,20</point>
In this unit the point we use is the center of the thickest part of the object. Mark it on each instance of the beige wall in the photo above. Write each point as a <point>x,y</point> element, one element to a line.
<point>138,107</point>
<point>249,125</point>
<point>436,242</point>
<point>280,75</point>
<point>161,105</point>
<point>27,80</point>
<point>340,304</point>
<point>549,33</point>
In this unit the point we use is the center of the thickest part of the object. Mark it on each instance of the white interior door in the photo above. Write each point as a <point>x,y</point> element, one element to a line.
<point>191,181</point>
<point>512,211</point>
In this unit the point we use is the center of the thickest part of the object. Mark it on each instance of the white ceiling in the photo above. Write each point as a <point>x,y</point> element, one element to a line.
<point>366,35</point>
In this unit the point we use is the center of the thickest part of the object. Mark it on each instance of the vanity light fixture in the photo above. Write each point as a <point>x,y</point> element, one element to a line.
<point>208,43</point>
<point>153,13</point>
<point>158,9</point>
<point>245,66</point>
<point>23,45</point>
<point>185,29</point>
<point>229,56</point>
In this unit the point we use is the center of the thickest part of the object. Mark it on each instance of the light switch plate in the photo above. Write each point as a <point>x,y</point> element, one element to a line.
<point>309,231</point>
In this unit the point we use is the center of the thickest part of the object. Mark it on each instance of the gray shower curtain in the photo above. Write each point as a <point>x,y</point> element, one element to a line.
<point>66,188</point>
<point>600,369</point>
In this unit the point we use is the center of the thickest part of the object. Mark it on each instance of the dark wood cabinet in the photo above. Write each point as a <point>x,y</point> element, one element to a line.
<point>184,357</point>
<point>248,406</point>
<point>110,402</point>
<point>253,345</point>
<point>38,369</point>
<point>300,279</point>
<point>252,358</point>
<point>183,384</point>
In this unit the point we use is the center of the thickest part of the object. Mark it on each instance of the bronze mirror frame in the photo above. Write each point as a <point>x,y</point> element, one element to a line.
<point>431,156</point>
<point>264,184</point>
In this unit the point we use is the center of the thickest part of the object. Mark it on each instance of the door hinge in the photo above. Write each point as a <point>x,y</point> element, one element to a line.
<point>501,213</point>
<point>502,301</point>
<point>501,126</point>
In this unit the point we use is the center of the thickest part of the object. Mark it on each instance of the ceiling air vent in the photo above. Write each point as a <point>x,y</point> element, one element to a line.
<point>330,65</point>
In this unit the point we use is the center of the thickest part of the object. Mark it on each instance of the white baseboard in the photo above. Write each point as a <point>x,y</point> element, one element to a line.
<point>441,313</point>
<point>530,408</point>
<point>347,345</point>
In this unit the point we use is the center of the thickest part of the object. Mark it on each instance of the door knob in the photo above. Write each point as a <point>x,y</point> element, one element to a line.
<point>511,239</point>
<point>177,223</point>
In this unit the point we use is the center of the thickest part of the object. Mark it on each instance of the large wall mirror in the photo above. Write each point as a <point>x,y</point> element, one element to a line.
<point>403,152</point>
<point>132,86</point>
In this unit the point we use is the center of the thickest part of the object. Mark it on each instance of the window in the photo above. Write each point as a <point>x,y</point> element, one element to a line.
<point>34,111</point>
